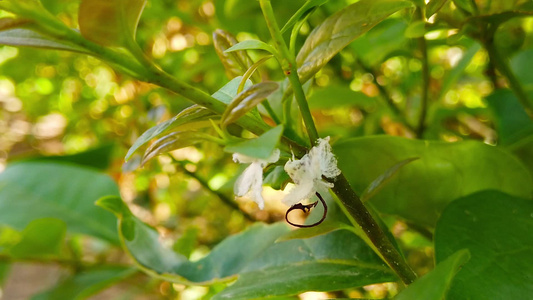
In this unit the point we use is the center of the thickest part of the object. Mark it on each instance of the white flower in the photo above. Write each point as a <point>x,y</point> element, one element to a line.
<point>251,180</point>
<point>307,172</point>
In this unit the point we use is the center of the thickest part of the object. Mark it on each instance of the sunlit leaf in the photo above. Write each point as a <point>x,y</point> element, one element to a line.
<point>173,141</point>
<point>235,62</point>
<point>496,229</point>
<point>435,284</point>
<point>86,283</point>
<point>383,179</point>
<point>451,77</point>
<point>253,254</point>
<point>193,114</point>
<point>10,23</point>
<point>260,147</point>
<point>307,6</point>
<point>226,93</point>
<point>251,45</point>
<point>416,29</point>
<point>338,30</point>
<point>110,22</point>
<point>247,100</point>
<point>444,172</point>
<point>465,5</point>
<point>30,38</point>
<point>434,6</point>
<point>56,190</point>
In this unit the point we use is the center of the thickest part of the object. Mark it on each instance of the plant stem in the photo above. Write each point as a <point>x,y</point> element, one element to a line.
<point>225,199</point>
<point>386,96</point>
<point>422,46</point>
<point>355,207</point>
<point>288,65</point>
<point>501,64</point>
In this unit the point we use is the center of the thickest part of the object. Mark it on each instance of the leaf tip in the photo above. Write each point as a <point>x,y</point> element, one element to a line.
<point>113,204</point>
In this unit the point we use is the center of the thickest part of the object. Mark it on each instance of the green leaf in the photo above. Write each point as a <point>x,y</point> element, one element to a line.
<point>30,38</point>
<point>61,191</point>
<point>173,141</point>
<point>226,93</point>
<point>110,22</point>
<point>187,243</point>
<point>322,263</point>
<point>42,238</point>
<point>254,252</point>
<point>86,283</point>
<point>99,157</point>
<point>335,96</point>
<point>247,100</point>
<point>416,29</point>
<point>338,30</point>
<point>434,6</point>
<point>496,228</point>
<point>383,179</point>
<point>303,10</point>
<point>513,124</point>
<point>305,233</point>
<point>465,5</point>
<point>260,147</point>
<point>444,172</point>
<point>236,62</point>
<point>276,177</point>
<point>381,42</point>
<point>191,118</point>
<point>451,77</point>
<point>519,64</point>
<point>252,45</point>
<point>435,284</point>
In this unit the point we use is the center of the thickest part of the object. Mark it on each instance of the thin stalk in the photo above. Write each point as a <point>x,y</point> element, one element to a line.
<point>422,46</point>
<point>503,67</point>
<point>271,111</point>
<point>358,212</point>
<point>144,70</point>
<point>288,65</point>
<point>386,96</point>
<point>225,199</point>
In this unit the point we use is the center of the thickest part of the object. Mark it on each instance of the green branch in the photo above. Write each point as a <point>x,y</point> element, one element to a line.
<point>361,215</point>
<point>422,46</point>
<point>288,64</point>
<point>386,96</point>
<point>502,65</point>
<point>225,199</point>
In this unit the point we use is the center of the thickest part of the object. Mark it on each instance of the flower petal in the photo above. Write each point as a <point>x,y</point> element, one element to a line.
<point>326,159</point>
<point>300,192</point>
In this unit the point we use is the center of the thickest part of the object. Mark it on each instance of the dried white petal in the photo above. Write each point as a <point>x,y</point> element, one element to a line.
<point>328,162</point>
<point>251,180</point>
<point>307,172</point>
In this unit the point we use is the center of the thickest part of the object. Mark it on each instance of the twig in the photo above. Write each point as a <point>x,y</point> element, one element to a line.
<point>422,46</point>
<point>225,199</point>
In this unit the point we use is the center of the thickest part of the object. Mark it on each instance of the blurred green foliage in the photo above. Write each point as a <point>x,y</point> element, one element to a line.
<point>59,106</point>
